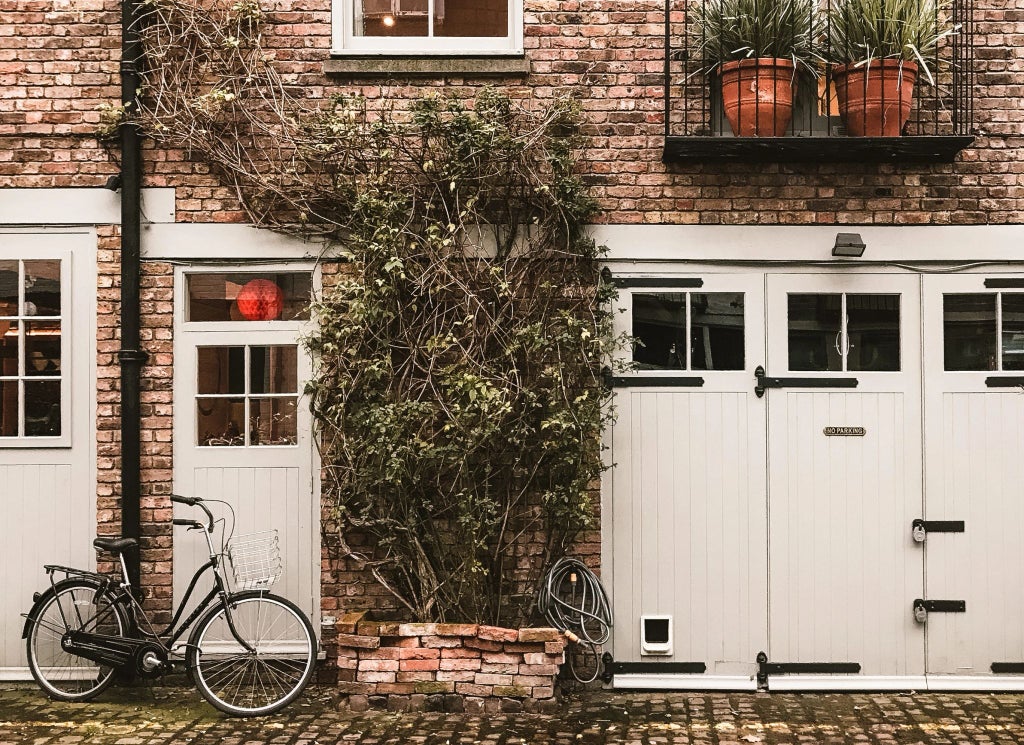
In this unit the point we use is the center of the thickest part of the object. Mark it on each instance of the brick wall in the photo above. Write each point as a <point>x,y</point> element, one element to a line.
<point>59,63</point>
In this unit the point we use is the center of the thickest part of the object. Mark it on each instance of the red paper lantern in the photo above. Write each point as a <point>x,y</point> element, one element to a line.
<point>260,300</point>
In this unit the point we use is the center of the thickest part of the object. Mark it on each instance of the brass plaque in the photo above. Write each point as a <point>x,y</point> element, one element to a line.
<point>844,431</point>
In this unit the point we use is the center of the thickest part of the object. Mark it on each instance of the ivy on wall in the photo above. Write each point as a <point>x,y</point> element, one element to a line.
<point>458,396</point>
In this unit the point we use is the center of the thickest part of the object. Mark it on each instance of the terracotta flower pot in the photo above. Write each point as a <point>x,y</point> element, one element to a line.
<point>874,98</point>
<point>757,95</point>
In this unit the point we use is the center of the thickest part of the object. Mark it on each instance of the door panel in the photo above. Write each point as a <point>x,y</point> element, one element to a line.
<point>975,472</point>
<point>843,568</point>
<point>231,444</point>
<point>686,535</point>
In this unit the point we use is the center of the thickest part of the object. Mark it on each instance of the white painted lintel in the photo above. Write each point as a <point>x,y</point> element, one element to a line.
<point>810,243</point>
<point>80,206</point>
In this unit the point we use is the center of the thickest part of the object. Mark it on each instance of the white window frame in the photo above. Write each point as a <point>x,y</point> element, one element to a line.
<point>64,439</point>
<point>345,42</point>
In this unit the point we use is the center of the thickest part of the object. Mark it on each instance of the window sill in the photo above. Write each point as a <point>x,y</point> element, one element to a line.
<point>391,66</point>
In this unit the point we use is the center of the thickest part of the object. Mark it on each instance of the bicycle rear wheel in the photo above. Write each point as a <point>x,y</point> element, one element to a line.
<point>71,605</point>
<point>265,679</point>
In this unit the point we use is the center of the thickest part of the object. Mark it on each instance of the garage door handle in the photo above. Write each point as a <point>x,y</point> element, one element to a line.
<point>764,382</point>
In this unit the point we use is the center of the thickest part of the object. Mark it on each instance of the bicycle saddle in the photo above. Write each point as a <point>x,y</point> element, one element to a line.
<point>115,545</point>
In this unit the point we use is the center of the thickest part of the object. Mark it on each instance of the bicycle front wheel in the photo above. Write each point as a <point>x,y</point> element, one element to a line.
<point>71,605</point>
<point>266,676</point>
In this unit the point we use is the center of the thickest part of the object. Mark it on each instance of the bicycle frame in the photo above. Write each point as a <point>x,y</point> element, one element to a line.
<point>125,596</point>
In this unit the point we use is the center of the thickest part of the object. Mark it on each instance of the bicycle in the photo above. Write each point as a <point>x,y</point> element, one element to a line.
<point>251,653</point>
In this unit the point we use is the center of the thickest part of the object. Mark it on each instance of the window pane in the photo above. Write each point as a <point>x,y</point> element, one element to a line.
<point>219,421</point>
<point>814,332</point>
<point>221,370</point>
<point>392,17</point>
<point>716,331</point>
<point>873,331</point>
<point>273,369</point>
<point>42,288</point>
<point>42,408</point>
<point>8,288</point>
<point>9,408</point>
<point>1013,331</point>
<point>969,331</point>
<point>471,18</point>
<point>272,421</point>
<point>249,296</point>
<point>659,325</point>
<point>42,348</point>
<point>9,348</point>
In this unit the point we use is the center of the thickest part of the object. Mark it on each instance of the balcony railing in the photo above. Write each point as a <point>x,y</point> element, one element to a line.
<point>939,125</point>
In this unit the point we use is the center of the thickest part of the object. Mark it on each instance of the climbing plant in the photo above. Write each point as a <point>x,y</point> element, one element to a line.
<point>458,397</point>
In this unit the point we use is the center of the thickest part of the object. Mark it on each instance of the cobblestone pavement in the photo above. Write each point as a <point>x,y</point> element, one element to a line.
<point>177,715</point>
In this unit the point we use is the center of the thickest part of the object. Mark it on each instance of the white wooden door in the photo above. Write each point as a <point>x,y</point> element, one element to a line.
<point>974,445</point>
<point>243,434</point>
<point>844,479</point>
<point>686,530</point>
<point>47,419</point>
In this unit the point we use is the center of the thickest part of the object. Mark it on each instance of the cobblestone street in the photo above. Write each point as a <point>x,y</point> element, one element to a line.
<point>178,715</point>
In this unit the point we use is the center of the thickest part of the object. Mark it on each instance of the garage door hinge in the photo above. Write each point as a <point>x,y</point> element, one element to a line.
<point>766,668</point>
<point>923,607</point>
<point>613,668</point>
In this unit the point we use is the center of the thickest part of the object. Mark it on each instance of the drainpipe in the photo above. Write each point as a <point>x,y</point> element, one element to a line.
<point>130,355</point>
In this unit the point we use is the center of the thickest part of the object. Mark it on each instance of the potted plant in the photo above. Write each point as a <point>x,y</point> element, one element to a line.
<point>878,48</point>
<point>757,48</point>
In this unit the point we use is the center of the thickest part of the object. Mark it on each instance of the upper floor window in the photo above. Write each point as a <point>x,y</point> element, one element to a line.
<point>390,27</point>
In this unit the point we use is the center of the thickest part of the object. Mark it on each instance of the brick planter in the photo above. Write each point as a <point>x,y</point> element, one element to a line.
<point>446,666</point>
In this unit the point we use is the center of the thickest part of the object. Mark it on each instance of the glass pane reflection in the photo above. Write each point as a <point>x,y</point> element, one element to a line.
<point>272,421</point>
<point>42,288</point>
<point>42,408</point>
<point>716,331</point>
<point>8,288</point>
<point>219,421</point>
<point>273,369</point>
<point>1013,331</point>
<point>221,370</point>
<point>873,330</point>
<point>8,408</point>
<point>969,331</point>
<point>814,332</point>
<point>42,348</point>
<point>659,327</point>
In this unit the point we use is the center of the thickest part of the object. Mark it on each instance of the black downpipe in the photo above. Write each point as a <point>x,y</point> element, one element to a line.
<point>130,355</point>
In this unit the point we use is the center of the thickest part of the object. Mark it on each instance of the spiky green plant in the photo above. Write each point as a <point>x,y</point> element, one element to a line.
<point>865,30</point>
<point>725,30</point>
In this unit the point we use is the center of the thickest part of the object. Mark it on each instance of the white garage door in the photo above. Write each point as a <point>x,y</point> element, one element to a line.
<point>765,494</point>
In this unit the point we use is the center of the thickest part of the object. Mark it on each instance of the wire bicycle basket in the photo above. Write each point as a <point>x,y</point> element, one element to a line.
<point>255,560</point>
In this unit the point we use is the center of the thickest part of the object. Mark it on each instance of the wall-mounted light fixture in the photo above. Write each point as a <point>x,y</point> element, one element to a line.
<point>848,245</point>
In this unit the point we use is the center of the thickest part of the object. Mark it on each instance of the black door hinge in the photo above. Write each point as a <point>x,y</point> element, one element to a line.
<point>764,382</point>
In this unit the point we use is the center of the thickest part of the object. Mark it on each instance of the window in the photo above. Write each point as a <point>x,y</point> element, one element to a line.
<point>32,369</point>
<point>428,26</point>
<point>983,331</point>
<point>834,332</point>
<point>247,396</point>
<point>248,296</point>
<point>711,321</point>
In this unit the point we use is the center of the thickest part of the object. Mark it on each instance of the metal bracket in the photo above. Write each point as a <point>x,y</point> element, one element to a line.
<point>1013,381</point>
<point>1004,282</point>
<point>1008,667</point>
<point>764,382</point>
<point>923,607</point>
<point>653,381</point>
<point>766,668</point>
<point>920,529</point>
<point>613,668</point>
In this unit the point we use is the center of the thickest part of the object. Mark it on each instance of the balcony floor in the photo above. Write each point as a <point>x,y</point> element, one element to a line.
<point>908,149</point>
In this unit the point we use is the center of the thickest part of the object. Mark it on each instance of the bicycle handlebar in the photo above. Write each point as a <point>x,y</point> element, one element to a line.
<point>193,502</point>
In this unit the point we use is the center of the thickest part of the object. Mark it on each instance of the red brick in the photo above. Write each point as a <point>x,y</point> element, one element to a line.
<point>418,653</point>
<point>356,641</point>
<point>498,634</point>
<point>419,664</point>
<point>457,629</point>
<point>539,635</point>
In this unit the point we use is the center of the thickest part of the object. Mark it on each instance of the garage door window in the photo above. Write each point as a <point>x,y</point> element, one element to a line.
<point>688,331</point>
<point>983,331</point>
<point>836,332</point>
<point>31,351</point>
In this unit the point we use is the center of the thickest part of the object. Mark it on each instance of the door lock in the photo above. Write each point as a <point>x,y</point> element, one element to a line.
<point>923,607</point>
<point>919,529</point>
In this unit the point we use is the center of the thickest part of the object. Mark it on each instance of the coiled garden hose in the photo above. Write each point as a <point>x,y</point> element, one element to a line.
<point>573,601</point>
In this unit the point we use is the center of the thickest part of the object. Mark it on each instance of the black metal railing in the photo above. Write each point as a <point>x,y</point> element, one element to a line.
<point>822,124</point>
